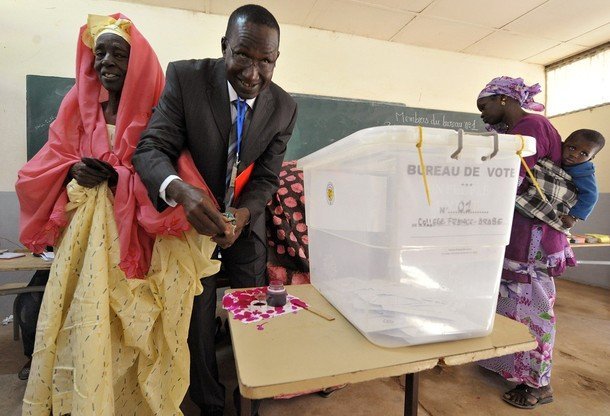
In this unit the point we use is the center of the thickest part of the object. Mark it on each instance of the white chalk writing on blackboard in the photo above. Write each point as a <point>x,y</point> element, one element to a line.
<point>435,120</point>
<point>45,123</point>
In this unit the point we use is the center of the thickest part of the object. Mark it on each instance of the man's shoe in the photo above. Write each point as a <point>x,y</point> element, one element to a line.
<point>24,373</point>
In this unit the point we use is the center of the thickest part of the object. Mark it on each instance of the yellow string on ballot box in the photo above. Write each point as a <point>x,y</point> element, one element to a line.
<point>529,172</point>
<point>422,165</point>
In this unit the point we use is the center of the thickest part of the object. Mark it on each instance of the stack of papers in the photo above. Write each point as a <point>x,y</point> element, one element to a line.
<point>597,238</point>
<point>47,255</point>
<point>589,238</point>
<point>404,312</point>
<point>10,255</point>
<point>577,238</point>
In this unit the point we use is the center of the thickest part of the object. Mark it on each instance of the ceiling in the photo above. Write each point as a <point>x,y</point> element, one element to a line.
<point>533,31</point>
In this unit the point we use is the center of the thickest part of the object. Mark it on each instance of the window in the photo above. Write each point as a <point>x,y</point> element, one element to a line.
<point>578,83</point>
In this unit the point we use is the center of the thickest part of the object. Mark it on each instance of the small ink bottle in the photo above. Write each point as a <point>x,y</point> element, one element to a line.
<point>276,294</point>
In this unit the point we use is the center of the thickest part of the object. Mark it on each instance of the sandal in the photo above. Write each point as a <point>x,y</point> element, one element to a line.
<point>525,397</point>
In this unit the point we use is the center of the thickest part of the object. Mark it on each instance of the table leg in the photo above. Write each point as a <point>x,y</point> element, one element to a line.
<point>411,394</point>
<point>16,321</point>
<point>248,407</point>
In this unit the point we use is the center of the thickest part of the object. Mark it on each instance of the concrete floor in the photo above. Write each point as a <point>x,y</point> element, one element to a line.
<point>581,375</point>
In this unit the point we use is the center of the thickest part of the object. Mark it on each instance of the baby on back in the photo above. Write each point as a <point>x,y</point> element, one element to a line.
<point>570,191</point>
<point>579,149</point>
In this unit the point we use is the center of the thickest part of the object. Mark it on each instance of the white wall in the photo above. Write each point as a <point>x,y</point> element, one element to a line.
<point>597,119</point>
<point>39,37</point>
<point>599,221</point>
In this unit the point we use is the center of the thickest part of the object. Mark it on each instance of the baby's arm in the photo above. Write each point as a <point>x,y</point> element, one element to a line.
<point>587,197</point>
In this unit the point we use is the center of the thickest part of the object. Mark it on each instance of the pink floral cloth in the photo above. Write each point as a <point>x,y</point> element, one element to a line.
<point>288,254</point>
<point>249,305</point>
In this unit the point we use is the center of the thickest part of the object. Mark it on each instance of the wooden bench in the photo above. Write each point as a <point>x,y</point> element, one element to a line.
<point>29,262</point>
<point>591,245</point>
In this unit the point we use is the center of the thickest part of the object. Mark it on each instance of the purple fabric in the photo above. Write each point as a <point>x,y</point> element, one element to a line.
<point>553,242</point>
<point>536,253</point>
<point>514,88</point>
<point>531,304</point>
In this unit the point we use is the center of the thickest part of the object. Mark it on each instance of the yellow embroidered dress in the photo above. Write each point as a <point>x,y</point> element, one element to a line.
<point>107,345</point>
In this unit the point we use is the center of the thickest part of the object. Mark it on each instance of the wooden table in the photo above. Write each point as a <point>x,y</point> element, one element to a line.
<point>25,263</point>
<point>301,352</point>
<point>579,245</point>
<point>590,245</point>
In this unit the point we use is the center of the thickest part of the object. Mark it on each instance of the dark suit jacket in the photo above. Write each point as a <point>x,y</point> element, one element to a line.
<point>194,112</point>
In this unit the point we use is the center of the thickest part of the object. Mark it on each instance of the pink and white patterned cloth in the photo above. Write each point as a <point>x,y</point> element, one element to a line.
<point>288,254</point>
<point>249,305</point>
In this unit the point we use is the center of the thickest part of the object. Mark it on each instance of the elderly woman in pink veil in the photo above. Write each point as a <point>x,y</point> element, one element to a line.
<point>536,252</point>
<point>92,143</point>
<point>111,334</point>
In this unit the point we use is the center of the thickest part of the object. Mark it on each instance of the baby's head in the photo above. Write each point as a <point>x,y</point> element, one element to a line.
<point>581,146</point>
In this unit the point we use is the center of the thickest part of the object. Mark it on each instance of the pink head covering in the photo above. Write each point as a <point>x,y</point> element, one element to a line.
<point>514,88</point>
<point>80,131</point>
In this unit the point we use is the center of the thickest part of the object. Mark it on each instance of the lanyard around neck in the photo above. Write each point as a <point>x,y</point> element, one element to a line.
<point>241,116</point>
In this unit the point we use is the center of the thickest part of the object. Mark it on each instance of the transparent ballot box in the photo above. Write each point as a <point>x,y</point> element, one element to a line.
<point>407,229</point>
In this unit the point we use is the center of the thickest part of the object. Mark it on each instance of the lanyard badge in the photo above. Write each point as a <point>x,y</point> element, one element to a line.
<point>233,175</point>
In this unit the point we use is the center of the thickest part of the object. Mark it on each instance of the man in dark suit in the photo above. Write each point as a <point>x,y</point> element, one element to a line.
<point>202,109</point>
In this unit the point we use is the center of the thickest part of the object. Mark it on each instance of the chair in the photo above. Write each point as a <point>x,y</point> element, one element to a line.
<point>15,288</point>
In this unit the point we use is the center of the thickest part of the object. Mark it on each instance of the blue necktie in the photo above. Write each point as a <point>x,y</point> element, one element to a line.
<point>234,148</point>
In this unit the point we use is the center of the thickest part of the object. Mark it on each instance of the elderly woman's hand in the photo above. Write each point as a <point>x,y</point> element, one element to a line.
<point>91,172</point>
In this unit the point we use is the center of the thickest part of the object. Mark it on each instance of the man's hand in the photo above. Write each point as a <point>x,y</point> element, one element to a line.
<point>242,218</point>
<point>568,221</point>
<point>90,172</point>
<point>199,209</point>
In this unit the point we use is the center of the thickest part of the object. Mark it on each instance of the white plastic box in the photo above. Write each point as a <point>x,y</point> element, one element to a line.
<point>402,270</point>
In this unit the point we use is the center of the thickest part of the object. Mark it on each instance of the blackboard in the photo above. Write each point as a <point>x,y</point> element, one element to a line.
<point>321,120</point>
<point>324,120</point>
<point>43,96</point>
